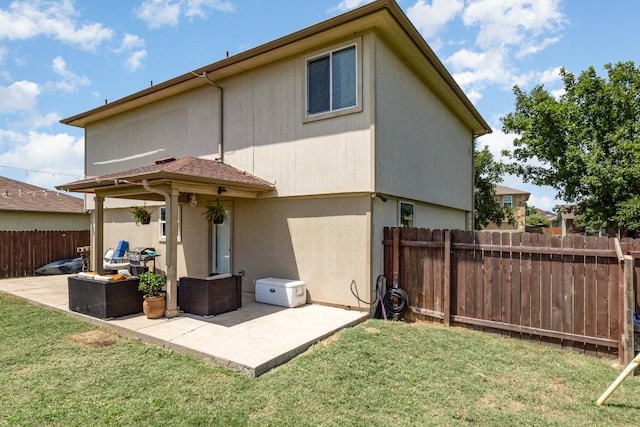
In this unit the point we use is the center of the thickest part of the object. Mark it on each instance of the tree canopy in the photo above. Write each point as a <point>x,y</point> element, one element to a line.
<point>585,144</point>
<point>487,173</point>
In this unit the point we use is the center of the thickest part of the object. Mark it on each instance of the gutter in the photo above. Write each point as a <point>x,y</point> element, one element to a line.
<point>221,137</point>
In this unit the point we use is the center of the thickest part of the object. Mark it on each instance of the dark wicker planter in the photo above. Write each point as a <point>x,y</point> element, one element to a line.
<point>209,297</point>
<point>104,299</point>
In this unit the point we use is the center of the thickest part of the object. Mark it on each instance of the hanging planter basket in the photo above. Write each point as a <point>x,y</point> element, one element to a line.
<point>215,212</point>
<point>141,215</point>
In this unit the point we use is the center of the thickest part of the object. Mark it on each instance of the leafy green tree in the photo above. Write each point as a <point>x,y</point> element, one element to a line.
<point>487,174</point>
<point>585,144</point>
<point>533,218</point>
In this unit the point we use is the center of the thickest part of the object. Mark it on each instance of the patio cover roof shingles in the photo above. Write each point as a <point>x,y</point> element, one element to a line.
<point>186,169</point>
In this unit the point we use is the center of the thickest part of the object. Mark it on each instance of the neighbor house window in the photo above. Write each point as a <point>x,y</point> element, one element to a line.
<point>331,81</point>
<point>406,214</point>
<point>162,222</point>
<point>507,201</point>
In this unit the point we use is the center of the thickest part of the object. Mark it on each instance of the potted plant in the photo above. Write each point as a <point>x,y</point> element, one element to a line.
<point>151,284</point>
<point>215,212</point>
<point>141,215</point>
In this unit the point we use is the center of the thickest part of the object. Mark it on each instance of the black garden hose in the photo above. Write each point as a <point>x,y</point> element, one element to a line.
<point>396,301</point>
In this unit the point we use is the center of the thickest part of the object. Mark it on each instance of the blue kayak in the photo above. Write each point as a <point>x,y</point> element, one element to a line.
<point>63,266</point>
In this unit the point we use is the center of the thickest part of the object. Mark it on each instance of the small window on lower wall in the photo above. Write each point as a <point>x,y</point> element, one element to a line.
<point>407,212</point>
<point>162,223</point>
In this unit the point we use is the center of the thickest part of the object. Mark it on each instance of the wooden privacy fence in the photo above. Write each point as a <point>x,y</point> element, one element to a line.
<point>571,291</point>
<point>22,252</point>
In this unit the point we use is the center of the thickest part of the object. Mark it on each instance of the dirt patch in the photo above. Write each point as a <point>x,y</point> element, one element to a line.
<point>95,339</point>
<point>372,330</point>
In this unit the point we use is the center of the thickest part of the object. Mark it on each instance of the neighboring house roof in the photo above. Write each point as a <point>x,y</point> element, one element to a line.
<point>20,196</point>
<point>567,211</point>
<point>192,169</point>
<point>383,16</point>
<point>501,190</point>
<point>546,214</point>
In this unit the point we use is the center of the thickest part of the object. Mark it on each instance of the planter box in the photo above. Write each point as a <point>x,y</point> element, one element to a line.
<point>209,297</point>
<point>104,299</point>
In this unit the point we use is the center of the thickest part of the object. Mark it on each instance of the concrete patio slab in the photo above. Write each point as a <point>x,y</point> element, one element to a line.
<point>253,339</point>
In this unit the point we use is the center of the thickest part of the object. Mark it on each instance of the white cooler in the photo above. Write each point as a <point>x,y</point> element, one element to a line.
<point>283,292</point>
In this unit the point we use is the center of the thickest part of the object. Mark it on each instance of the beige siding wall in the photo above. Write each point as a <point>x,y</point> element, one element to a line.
<point>28,221</point>
<point>423,152</point>
<point>267,134</point>
<point>183,125</point>
<point>323,241</point>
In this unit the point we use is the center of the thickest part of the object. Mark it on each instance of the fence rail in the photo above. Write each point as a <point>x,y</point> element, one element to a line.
<point>22,252</point>
<point>570,291</point>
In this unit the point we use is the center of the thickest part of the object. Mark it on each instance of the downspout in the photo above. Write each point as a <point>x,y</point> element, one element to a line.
<point>221,136</point>
<point>167,201</point>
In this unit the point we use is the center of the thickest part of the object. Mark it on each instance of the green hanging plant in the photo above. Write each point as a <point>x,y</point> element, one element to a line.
<point>141,215</point>
<point>215,212</point>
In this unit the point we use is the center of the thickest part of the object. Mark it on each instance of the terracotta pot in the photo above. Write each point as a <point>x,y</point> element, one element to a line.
<point>154,307</point>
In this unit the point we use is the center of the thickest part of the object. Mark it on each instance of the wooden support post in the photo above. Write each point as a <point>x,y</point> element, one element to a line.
<point>627,340</point>
<point>630,367</point>
<point>446,292</point>
<point>395,277</point>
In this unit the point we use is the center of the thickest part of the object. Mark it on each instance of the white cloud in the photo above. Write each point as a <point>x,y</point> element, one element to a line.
<point>61,153</point>
<point>505,32</point>
<point>199,7</point>
<point>511,22</point>
<point>545,201</point>
<point>470,68</point>
<point>26,19</point>
<point>161,13</point>
<point>19,96</point>
<point>430,18</point>
<point>130,42</point>
<point>132,46</point>
<point>134,61</point>
<point>70,81</point>
<point>348,5</point>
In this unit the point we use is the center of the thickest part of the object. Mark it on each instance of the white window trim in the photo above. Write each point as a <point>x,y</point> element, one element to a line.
<point>504,198</point>
<point>163,237</point>
<point>306,118</point>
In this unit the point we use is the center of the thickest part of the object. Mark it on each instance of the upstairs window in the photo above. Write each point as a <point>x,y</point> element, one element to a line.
<point>331,81</point>
<point>507,201</point>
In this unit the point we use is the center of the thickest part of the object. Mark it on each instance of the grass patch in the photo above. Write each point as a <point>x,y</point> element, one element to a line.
<point>57,370</point>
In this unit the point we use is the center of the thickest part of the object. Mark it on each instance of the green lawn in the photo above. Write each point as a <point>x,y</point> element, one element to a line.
<point>56,370</point>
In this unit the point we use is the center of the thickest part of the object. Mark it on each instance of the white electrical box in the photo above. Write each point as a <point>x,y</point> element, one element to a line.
<point>283,292</point>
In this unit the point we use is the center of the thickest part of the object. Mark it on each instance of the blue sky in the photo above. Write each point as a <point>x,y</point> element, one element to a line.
<point>59,58</point>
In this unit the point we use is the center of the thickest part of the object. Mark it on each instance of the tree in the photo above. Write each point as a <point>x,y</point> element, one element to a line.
<point>585,144</point>
<point>487,173</point>
<point>534,219</point>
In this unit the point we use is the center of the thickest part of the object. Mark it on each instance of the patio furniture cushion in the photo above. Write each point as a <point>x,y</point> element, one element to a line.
<point>210,297</point>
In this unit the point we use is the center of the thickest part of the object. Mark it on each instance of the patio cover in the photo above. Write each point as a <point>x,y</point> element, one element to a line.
<point>170,180</point>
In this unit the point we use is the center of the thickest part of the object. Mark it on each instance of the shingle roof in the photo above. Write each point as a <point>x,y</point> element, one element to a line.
<point>269,52</point>
<point>20,196</point>
<point>501,190</point>
<point>186,168</point>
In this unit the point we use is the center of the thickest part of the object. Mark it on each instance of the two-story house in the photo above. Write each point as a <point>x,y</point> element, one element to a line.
<point>314,142</point>
<point>517,201</point>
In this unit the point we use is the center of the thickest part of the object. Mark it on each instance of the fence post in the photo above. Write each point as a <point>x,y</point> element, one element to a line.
<point>627,352</point>
<point>395,257</point>
<point>446,292</point>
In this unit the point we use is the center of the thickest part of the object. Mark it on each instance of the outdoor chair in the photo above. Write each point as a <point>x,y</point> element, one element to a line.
<point>116,259</point>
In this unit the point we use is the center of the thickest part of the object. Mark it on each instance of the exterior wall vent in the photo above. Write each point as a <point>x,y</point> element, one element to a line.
<point>165,160</point>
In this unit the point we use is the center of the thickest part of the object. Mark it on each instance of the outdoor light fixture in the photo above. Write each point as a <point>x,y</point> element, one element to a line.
<point>193,201</point>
